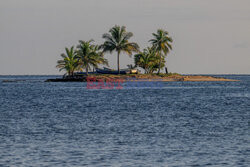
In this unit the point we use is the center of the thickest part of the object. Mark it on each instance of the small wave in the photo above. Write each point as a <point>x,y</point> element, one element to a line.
<point>15,80</point>
<point>238,95</point>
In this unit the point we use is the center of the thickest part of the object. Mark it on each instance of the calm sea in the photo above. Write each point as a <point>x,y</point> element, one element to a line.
<point>175,124</point>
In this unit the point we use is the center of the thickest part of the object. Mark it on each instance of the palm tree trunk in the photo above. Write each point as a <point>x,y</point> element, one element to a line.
<point>159,65</point>
<point>166,70</point>
<point>118,62</point>
<point>87,69</point>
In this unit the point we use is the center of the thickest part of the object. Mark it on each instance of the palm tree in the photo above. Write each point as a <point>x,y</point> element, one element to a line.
<point>162,43</point>
<point>117,40</point>
<point>69,61</point>
<point>89,55</point>
<point>148,60</point>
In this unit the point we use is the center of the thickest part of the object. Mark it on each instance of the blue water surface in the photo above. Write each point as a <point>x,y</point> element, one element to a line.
<point>175,124</point>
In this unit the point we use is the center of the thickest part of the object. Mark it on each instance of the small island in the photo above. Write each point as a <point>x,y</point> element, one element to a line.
<point>83,62</point>
<point>142,77</point>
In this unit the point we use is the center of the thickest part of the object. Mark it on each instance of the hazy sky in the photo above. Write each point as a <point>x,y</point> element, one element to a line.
<point>210,36</point>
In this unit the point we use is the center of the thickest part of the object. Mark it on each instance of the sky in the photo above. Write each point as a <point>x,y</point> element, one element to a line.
<point>210,36</point>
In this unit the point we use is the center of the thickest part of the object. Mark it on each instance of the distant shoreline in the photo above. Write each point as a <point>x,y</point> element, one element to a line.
<point>144,78</point>
<point>61,74</point>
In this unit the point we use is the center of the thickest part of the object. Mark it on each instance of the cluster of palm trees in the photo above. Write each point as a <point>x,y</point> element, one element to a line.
<point>87,55</point>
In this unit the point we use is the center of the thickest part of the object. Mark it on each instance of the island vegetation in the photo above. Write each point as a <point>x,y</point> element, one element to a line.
<point>87,55</point>
<point>85,59</point>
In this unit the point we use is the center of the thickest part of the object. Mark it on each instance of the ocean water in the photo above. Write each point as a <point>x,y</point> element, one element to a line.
<point>175,124</point>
